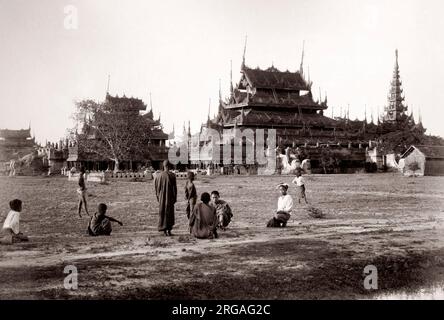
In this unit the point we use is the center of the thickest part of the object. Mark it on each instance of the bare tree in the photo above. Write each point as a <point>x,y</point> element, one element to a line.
<point>110,132</point>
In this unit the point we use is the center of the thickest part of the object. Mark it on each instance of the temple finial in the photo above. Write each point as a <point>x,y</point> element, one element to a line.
<point>209,106</point>
<point>231,76</point>
<point>396,54</point>
<point>308,76</point>
<point>301,67</point>
<point>245,49</point>
<point>151,103</point>
<point>220,91</point>
<point>419,115</point>
<point>107,86</point>
<point>189,128</point>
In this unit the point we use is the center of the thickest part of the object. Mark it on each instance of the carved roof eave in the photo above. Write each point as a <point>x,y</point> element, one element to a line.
<point>274,105</point>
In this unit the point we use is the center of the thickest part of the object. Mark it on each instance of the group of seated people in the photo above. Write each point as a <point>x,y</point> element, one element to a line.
<point>210,214</point>
<point>205,218</point>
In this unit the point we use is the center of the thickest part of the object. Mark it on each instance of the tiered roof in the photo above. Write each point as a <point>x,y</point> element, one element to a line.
<point>272,78</point>
<point>15,134</point>
<point>125,103</point>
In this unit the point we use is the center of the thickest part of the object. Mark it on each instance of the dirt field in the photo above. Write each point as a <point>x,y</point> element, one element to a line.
<point>392,222</point>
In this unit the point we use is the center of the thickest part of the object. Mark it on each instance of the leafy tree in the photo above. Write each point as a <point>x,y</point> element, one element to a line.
<point>111,132</point>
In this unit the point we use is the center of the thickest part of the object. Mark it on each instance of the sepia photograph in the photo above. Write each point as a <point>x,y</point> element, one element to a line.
<point>221,151</point>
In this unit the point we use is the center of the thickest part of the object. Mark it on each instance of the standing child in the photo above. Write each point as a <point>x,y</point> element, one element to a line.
<point>100,224</point>
<point>11,227</point>
<point>82,192</point>
<point>190,193</point>
<point>299,181</point>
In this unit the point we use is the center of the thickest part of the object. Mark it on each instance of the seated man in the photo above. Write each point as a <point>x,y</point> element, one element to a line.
<point>203,219</point>
<point>11,232</point>
<point>223,210</point>
<point>283,212</point>
<point>100,224</point>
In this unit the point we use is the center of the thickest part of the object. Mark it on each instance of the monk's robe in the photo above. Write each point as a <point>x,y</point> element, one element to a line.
<point>166,192</point>
<point>223,212</point>
<point>203,222</point>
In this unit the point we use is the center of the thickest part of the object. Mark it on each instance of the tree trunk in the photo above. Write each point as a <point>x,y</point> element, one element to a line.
<point>116,165</point>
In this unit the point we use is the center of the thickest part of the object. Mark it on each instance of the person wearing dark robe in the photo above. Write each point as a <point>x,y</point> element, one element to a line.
<point>203,220</point>
<point>223,210</point>
<point>166,193</point>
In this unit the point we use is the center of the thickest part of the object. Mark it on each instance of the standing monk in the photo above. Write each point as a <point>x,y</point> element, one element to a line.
<point>166,192</point>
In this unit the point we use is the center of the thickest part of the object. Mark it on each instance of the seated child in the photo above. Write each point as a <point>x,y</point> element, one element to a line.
<point>283,212</point>
<point>100,224</point>
<point>223,210</point>
<point>10,232</point>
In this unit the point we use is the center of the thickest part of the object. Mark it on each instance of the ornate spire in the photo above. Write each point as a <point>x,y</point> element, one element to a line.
<point>395,108</point>
<point>189,129</point>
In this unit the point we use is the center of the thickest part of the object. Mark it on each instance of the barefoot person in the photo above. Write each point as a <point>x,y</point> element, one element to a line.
<point>299,181</point>
<point>283,212</point>
<point>82,192</point>
<point>203,219</point>
<point>223,210</point>
<point>10,232</point>
<point>166,193</point>
<point>190,193</point>
<point>100,223</point>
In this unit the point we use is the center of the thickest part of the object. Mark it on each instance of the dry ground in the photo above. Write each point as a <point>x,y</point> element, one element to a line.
<point>392,222</point>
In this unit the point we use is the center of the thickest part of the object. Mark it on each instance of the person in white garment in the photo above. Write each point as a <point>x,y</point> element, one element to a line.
<point>11,227</point>
<point>299,181</point>
<point>284,207</point>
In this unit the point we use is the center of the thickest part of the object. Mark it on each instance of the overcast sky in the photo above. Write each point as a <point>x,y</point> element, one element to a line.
<point>178,51</point>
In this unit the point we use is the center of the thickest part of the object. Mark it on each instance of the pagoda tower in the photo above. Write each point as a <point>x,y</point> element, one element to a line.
<point>395,110</point>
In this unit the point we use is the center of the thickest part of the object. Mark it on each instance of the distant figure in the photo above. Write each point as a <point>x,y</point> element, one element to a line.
<point>299,181</point>
<point>203,220</point>
<point>223,210</point>
<point>190,193</point>
<point>100,224</point>
<point>166,193</point>
<point>10,232</point>
<point>82,192</point>
<point>284,207</point>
